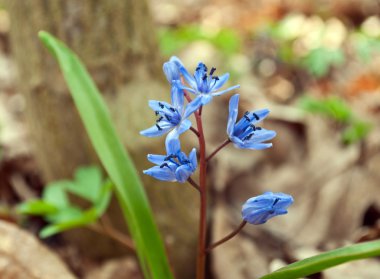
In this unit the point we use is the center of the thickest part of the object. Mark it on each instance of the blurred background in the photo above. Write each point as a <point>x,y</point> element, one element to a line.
<point>314,64</point>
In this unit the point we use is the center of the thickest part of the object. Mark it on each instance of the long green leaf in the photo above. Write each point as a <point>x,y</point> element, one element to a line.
<point>326,260</point>
<point>116,161</point>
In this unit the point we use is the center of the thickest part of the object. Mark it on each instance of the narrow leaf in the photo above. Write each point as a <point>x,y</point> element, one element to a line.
<point>326,260</point>
<point>84,218</point>
<point>116,161</point>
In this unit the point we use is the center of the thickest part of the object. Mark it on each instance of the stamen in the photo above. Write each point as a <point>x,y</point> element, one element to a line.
<point>259,128</point>
<point>157,112</point>
<point>161,105</point>
<point>248,137</point>
<point>158,127</point>
<point>216,78</point>
<point>168,117</point>
<point>212,71</point>
<point>275,201</point>
<point>246,117</point>
<point>172,156</point>
<point>172,109</point>
<point>253,127</point>
<point>204,77</point>
<point>159,119</point>
<point>164,165</point>
<point>255,116</point>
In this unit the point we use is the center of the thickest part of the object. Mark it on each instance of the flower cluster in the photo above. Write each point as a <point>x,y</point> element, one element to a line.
<point>173,120</point>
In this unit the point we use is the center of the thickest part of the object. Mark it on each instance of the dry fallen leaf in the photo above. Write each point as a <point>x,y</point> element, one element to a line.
<point>22,256</point>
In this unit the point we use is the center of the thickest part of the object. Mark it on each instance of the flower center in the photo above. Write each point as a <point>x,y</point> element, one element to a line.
<point>167,114</point>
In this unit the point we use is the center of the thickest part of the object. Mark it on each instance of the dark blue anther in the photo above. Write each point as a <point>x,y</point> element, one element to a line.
<point>253,127</point>
<point>212,71</point>
<point>204,77</point>
<point>157,112</point>
<point>172,109</point>
<point>275,201</point>
<point>161,105</point>
<point>248,137</point>
<point>168,117</point>
<point>159,119</point>
<point>255,116</point>
<point>164,165</point>
<point>172,156</point>
<point>158,127</point>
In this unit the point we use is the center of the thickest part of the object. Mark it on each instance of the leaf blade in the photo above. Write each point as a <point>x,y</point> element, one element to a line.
<point>326,260</point>
<point>116,161</point>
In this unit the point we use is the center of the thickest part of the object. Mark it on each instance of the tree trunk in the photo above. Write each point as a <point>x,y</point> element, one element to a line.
<point>116,41</point>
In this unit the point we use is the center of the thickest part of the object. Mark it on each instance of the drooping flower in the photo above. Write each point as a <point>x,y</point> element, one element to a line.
<point>204,84</point>
<point>175,166</point>
<point>258,210</point>
<point>171,117</point>
<point>245,134</point>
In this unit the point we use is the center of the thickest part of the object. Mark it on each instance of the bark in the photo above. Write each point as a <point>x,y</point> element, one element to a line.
<point>116,41</point>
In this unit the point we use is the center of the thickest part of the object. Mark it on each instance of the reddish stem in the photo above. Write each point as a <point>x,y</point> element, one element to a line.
<point>201,260</point>
<point>194,131</point>
<point>228,237</point>
<point>226,142</point>
<point>194,184</point>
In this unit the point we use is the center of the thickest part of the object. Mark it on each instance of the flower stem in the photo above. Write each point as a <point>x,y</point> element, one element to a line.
<point>194,131</point>
<point>194,184</point>
<point>201,259</point>
<point>114,234</point>
<point>228,237</point>
<point>227,141</point>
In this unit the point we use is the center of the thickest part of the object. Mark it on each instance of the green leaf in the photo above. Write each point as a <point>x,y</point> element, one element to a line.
<point>36,207</point>
<point>79,220</point>
<point>104,198</point>
<point>332,107</point>
<point>356,132</point>
<point>64,214</point>
<point>318,61</point>
<point>54,193</point>
<point>87,183</point>
<point>116,161</point>
<point>326,260</point>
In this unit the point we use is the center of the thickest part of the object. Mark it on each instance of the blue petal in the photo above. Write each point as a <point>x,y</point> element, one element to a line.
<point>225,91</point>
<point>188,89</point>
<point>205,99</point>
<point>184,126</point>
<point>183,173</point>
<point>155,105</point>
<point>171,71</point>
<point>256,217</point>
<point>262,114</point>
<point>193,159</point>
<point>154,131</point>
<point>233,112</point>
<point>177,98</point>
<point>156,159</point>
<point>256,146</point>
<point>193,106</point>
<point>172,143</point>
<point>189,78</point>
<point>237,142</point>
<point>164,173</point>
<point>220,82</point>
<point>262,135</point>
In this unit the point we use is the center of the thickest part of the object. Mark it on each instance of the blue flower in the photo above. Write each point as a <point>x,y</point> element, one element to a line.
<point>258,210</point>
<point>171,70</point>
<point>245,134</point>
<point>204,84</point>
<point>175,166</point>
<point>171,117</point>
